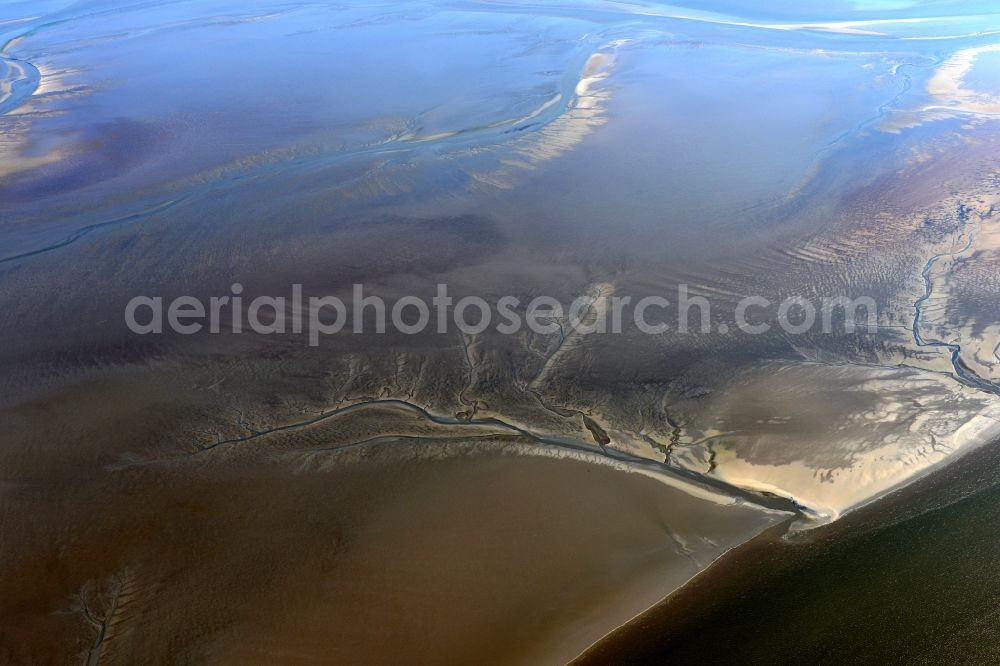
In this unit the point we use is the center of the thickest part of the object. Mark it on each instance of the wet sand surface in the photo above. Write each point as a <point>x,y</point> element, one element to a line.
<point>912,579</point>
<point>238,497</point>
<point>293,552</point>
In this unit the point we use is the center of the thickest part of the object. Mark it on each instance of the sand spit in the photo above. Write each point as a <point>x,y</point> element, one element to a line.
<point>947,86</point>
<point>576,117</point>
<point>834,438</point>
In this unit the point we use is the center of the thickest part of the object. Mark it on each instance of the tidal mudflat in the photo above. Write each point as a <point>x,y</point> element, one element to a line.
<point>234,496</point>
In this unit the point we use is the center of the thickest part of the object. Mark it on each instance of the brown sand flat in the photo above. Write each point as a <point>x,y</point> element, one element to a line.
<point>394,553</point>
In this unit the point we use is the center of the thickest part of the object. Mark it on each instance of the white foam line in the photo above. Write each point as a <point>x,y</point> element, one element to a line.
<point>851,27</point>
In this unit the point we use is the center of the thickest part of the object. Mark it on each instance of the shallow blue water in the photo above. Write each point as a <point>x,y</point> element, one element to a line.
<point>174,91</point>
